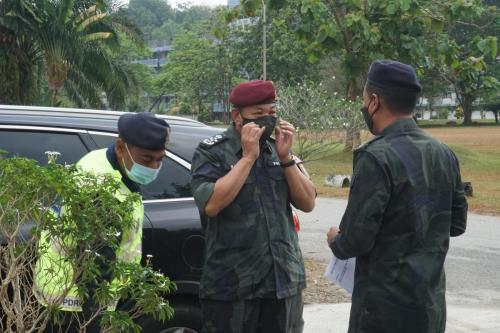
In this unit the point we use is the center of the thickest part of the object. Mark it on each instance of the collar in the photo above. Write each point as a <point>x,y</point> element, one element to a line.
<point>400,125</point>
<point>113,160</point>
<point>234,139</point>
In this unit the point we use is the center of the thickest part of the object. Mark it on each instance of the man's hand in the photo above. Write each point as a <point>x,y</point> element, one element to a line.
<point>330,235</point>
<point>284,139</point>
<point>250,136</point>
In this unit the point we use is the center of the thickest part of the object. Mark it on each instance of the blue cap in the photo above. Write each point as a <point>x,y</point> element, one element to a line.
<point>393,75</point>
<point>144,130</point>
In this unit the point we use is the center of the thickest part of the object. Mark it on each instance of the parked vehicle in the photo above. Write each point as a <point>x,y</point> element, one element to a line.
<point>172,229</point>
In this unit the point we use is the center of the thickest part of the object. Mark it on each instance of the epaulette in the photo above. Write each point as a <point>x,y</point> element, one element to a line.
<point>214,140</point>
<point>369,142</point>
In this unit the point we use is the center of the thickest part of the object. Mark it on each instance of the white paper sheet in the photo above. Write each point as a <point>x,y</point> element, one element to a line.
<point>341,272</point>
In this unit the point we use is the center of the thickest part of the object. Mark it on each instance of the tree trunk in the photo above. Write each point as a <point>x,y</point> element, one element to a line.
<point>496,116</point>
<point>18,73</point>
<point>353,139</point>
<point>467,108</point>
<point>54,98</point>
<point>353,135</point>
<point>9,87</point>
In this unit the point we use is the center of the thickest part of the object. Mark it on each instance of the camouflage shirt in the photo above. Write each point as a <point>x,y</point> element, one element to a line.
<point>251,246</point>
<point>406,200</point>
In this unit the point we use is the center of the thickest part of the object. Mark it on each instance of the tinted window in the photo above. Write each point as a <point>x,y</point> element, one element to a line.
<point>104,141</point>
<point>35,144</point>
<point>172,182</point>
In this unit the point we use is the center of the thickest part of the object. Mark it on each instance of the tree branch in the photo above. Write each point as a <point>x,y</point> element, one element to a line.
<point>339,22</point>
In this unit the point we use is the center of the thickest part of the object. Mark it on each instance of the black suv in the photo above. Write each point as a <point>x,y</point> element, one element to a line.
<point>172,228</point>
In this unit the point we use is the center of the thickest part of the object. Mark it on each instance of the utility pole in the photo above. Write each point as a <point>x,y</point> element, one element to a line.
<point>264,46</point>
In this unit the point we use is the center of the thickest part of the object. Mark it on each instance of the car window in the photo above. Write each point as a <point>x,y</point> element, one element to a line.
<point>174,180</point>
<point>103,141</point>
<point>34,145</point>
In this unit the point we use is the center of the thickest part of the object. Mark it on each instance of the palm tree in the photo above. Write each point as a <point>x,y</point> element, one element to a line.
<point>18,63</point>
<point>76,40</point>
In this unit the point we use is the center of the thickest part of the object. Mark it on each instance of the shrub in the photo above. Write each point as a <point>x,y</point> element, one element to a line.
<point>30,198</point>
<point>185,109</point>
<point>204,114</point>
<point>443,113</point>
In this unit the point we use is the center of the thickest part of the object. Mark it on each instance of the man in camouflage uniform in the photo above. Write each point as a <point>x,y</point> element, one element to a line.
<point>405,202</point>
<point>243,182</point>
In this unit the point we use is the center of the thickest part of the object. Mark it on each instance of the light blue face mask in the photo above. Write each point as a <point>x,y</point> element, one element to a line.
<point>140,173</point>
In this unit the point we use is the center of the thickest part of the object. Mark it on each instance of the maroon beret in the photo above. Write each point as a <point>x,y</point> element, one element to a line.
<point>253,93</point>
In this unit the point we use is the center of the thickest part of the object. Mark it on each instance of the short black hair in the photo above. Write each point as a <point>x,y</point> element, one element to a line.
<point>398,101</point>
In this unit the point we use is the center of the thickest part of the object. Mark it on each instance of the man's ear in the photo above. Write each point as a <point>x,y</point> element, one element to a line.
<point>120,148</point>
<point>236,116</point>
<point>377,102</point>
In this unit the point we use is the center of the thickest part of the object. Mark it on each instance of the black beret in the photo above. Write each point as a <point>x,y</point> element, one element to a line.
<point>144,130</point>
<point>393,75</point>
<point>253,93</point>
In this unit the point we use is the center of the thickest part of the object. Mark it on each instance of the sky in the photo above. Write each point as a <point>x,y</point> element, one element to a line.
<point>211,3</point>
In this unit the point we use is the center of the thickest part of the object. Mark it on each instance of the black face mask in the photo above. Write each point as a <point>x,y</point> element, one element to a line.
<point>268,121</point>
<point>368,117</point>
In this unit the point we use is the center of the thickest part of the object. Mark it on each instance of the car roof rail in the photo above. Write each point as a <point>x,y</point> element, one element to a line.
<point>76,111</point>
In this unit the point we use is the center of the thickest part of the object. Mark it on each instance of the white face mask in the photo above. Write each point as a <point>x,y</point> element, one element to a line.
<point>140,173</point>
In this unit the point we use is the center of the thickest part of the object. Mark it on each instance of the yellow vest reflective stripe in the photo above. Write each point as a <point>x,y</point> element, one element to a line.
<point>53,281</point>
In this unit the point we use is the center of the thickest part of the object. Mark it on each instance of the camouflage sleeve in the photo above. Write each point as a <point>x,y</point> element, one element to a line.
<point>459,206</point>
<point>205,170</point>
<point>368,198</point>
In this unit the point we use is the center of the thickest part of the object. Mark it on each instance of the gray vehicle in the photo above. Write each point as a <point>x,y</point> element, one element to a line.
<point>172,228</point>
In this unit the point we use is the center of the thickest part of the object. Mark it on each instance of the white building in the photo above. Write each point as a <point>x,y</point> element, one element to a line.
<point>446,101</point>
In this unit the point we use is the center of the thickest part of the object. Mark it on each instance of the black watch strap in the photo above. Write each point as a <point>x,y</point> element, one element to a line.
<point>288,164</point>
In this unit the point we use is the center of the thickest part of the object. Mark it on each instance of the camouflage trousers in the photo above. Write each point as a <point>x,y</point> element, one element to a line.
<point>260,315</point>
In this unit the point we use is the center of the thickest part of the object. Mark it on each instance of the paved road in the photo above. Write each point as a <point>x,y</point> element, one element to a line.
<point>472,266</point>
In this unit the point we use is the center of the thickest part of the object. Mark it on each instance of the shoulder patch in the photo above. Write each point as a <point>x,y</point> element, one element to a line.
<point>214,140</point>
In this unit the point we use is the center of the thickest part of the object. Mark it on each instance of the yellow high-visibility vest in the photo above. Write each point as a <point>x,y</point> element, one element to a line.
<point>54,275</point>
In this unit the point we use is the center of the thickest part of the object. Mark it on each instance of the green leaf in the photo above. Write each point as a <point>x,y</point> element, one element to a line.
<point>477,63</point>
<point>90,20</point>
<point>488,46</point>
<point>312,58</point>
<point>390,9</point>
<point>323,33</point>
<point>437,25</point>
<point>405,5</point>
<point>304,9</point>
<point>455,64</point>
<point>98,36</point>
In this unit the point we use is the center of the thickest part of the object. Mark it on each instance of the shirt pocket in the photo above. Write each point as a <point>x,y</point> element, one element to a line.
<point>246,201</point>
<point>275,171</point>
<point>277,183</point>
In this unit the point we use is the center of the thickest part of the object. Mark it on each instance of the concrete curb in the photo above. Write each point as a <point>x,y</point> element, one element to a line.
<point>326,318</point>
<point>334,318</point>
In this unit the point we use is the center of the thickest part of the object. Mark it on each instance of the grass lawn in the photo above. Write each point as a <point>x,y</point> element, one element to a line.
<point>478,149</point>
<point>454,123</point>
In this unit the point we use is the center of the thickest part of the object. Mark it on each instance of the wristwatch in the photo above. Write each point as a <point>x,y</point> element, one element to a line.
<point>289,163</point>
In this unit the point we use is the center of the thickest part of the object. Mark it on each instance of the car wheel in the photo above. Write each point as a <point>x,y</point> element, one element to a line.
<point>179,330</point>
<point>188,318</point>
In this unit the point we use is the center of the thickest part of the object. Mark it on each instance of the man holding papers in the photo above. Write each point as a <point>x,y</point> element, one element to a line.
<point>405,202</point>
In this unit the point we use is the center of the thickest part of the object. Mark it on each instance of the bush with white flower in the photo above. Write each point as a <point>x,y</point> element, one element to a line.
<point>319,116</point>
